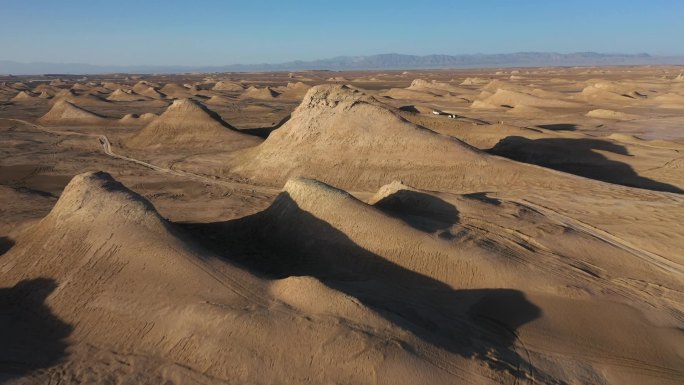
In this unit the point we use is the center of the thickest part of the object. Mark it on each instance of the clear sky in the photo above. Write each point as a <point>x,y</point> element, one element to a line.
<point>197,32</point>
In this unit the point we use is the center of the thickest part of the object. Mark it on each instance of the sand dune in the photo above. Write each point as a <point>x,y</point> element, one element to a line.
<point>79,87</point>
<point>336,119</point>
<point>259,93</point>
<point>135,119</point>
<point>434,86</point>
<point>225,85</point>
<point>610,114</point>
<point>218,100</point>
<point>420,95</point>
<point>24,96</point>
<point>175,91</point>
<point>508,98</point>
<point>57,83</point>
<point>192,289</point>
<point>329,233</point>
<point>293,90</point>
<point>472,81</point>
<point>143,86</point>
<point>45,88</point>
<point>120,95</point>
<point>599,94</point>
<point>187,123</point>
<point>78,99</point>
<point>64,112</point>
<point>113,86</point>
<point>670,100</point>
<point>152,93</point>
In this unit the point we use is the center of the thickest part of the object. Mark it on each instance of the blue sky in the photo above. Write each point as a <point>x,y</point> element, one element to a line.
<point>152,32</point>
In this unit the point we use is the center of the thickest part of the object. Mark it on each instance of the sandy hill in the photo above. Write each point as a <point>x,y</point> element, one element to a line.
<point>223,101</point>
<point>80,87</point>
<point>424,95</point>
<point>123,295</point>
<point>509,98</point>
<point>472,81</point>
<point>293,90</point>
<point>64,112</point>
<point>337,79</point>
<point>226,85</point>
<point>670,100</point>
<point>400,246</point>
<point>120,95</point>
<point>610,114</point>
<point>265,93</point>
<point>679,78</point>
<point>604,92</point>
<point>187,123</point>
<point>435,86</point>
<point>19,86</point>
<point>24,96</point>
<point>135,119</point>
<point>175,91</point>
<point>334,121</point>
<point>46,88</point>
<point>622,88</point>
<point>58,83</point>
<point>113,86</point>
<point>152,93</point>
<point>141,86</point>
<point>78,99</point>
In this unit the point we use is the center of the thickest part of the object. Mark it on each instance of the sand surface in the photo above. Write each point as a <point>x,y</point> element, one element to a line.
<point>495,226</point>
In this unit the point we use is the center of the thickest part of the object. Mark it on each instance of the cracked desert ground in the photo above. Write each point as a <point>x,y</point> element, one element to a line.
<point>493,226</point>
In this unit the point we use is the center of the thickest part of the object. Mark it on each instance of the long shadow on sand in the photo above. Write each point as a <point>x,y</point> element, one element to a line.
<point>5,244</point>
<point>559,127</point>
<point>579,157</point>
<point>285,240</point>
<point>264,132</point>
<point>419,210</point>
<point>31,337</point>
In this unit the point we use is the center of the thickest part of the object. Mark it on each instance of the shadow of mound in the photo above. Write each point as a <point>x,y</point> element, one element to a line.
<point>264,132</point>
<point>419,210</point>
<point>483,197</point>
<point>285,240</point>
<point>411,109</point>
<point>559,127</point>
<point>5,244</point>
<point>579,157</point>
<point>32,337</point>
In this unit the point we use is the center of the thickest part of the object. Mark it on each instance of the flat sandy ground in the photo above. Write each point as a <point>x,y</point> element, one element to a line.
<point>532,234</point>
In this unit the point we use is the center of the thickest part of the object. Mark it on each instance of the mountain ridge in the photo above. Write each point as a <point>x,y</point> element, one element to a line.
<point>389,61</point>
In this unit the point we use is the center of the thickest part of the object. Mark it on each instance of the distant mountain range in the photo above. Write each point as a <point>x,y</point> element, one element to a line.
<point>390,61</point>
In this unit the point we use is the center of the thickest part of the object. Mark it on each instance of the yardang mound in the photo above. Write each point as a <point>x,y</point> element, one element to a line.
<point>64,112</point>
<point>130,290</point>
<point>188,124</point>
<point>225,85</point>
<point>334,121</point>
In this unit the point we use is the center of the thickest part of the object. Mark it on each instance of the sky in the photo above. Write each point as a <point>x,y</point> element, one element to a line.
<point>201,33</point>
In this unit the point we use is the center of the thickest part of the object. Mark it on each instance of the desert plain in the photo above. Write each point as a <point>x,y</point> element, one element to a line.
<point>484,226</point>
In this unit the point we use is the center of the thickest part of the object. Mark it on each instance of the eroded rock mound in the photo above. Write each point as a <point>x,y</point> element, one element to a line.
<point>64,112</point>
<point>187,123</point>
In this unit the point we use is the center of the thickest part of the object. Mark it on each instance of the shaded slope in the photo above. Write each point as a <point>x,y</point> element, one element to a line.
<point>148,304</point>
<point>64,112</point>
<point>187,123</point>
